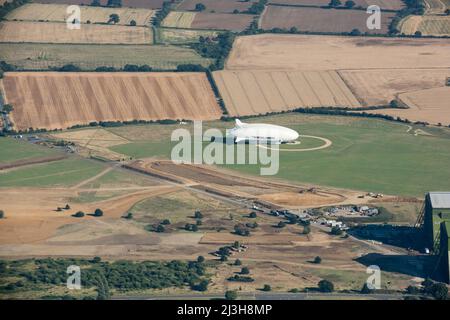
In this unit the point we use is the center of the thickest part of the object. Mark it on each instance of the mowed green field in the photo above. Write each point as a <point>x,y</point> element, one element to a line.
<point>366,154</point>
<point>14,149</point>
<point>38,56</point>
<point>59,173</point>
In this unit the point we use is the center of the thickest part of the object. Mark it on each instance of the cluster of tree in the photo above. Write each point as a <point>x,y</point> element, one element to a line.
<point>161,14</point>
<point>413,7</point>
<point>9,6</point>
<point>114,3</point>
<point>256,8</point>
<point>317,260</point>
<point>252,225</point>
<point>160,228</point>
<point>217,49</point>
<point>79,214</point>
<point>230,295</point>
<point>7,108</point>
<point>2,214</point>
<point>98,213</point>
<point>325,286</point>
<point>216,91</point>
<point>200,7</point>
<point>241,230</point>
<point>239,278</point>
<point>349,4</point>
<point>189,67</point>
<point>114,18</point>
<point>6,67</point>
<point>136,68</point>
<point>126,68</point>
<point>66,207</point>
<point>266,287</point>
<point>191,227</point>
<point>437,290</point>
<point>104,276</point>
<point>128,216</point>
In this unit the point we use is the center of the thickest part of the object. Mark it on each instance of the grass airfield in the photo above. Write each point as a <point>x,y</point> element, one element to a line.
<point>366,154</point>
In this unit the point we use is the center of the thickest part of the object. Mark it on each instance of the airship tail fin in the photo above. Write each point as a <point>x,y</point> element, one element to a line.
<point>239,123</point>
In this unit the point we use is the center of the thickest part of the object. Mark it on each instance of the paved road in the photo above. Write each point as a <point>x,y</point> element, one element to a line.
<point>273,296</point>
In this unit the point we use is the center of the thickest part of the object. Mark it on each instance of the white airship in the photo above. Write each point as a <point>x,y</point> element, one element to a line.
<point>261,133</point>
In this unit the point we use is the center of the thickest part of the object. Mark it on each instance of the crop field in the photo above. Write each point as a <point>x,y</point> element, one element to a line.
<point>380,86</point>
<point>427,25</point>
<point>178,19</point>
<point>39,56</point>
<point>321,20</point>
<point>55,32</point>
<point>148,4</point>
<point>366,154</point>
<point>182,36</point>
<point>14,149</point>
<point>222,21</point>
<point>60,173</point>
<point>61,100</point>
<point>57,13</point>
<point>435,6</point>
<point>219,6</point>
<point>306,52</point>
<point>383,4</point>
<point>260,92</point>
<point>205,20</point>
<point>429,105</point>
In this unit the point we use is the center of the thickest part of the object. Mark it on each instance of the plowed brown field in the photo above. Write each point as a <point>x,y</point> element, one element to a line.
<point>260,92</point>
<point>60,100</point>
<point>383,4</point>
<point>321,20</point>
<point>222,6</point>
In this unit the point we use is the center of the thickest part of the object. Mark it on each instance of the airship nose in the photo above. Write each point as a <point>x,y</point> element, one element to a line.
<point>294,135</point>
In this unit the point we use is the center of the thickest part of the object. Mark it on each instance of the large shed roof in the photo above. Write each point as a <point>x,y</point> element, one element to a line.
<point>440,200</point>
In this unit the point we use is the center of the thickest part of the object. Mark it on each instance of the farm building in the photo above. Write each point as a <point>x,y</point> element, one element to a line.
<point>437,210</point>
<point>444,247</point>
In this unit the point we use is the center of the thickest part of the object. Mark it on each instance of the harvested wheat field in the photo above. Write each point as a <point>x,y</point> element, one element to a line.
<point>430,105</point>
<point>321,20</point>
<point>220,6</point>
<point>307,52</point>
<point>149,4</point>
<point>379,87</point>
<point>383,4</point>
<point>57,13</point>
<point>435,6</point>
<point>427,25</point>
<point>55,32</point>
<point>59,100</point>
<point>176,19</point>
<point>260,92</point>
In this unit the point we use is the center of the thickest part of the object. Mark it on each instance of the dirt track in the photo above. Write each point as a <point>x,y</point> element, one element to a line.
<point>269,193</point>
